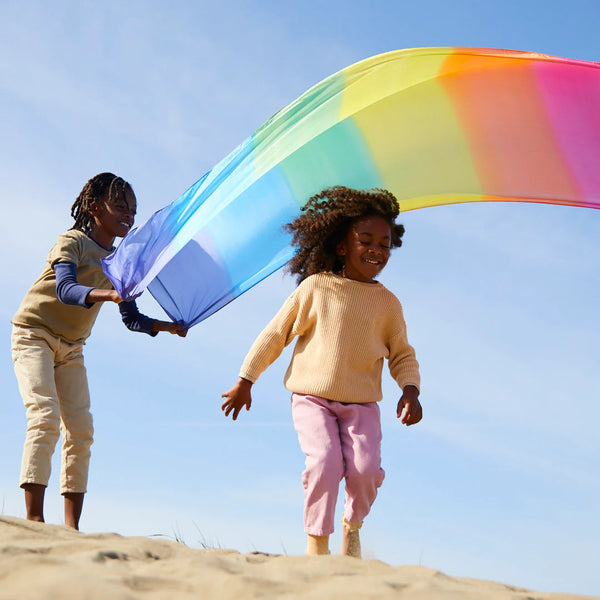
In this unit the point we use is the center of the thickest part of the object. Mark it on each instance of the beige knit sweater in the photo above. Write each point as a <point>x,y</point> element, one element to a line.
<point>345,329</point>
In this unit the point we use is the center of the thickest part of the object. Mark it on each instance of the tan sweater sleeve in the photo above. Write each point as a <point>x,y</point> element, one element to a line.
<point>67,249</point>
<point>402,360</point>
<point>273,339</point>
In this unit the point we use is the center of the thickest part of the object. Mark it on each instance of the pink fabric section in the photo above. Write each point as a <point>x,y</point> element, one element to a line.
<point>571,94</point>
<point>339,440</point>
<point>514,148</point>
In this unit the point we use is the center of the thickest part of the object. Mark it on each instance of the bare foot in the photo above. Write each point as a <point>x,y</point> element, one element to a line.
<point>351,539</point>
<point>350,543</point>
<point>36,518</point>
<point>34,501</point>
<point>317,544</point>
<point>73,507</point>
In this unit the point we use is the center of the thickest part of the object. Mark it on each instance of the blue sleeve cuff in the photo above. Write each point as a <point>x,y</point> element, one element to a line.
<point>134,320</point>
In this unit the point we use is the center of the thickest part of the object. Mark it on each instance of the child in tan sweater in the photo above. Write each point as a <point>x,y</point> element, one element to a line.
<point>346,323</point>
<point>49,331</point>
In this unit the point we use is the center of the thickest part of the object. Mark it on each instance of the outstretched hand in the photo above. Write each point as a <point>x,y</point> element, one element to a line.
<point>409,409</point>
<point>237,397</point>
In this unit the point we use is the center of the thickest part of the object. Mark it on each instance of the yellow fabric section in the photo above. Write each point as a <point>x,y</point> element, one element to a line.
<point>384,75</point>
<point>416,202</point>
<point>413,134</point>
<point>338,97</point>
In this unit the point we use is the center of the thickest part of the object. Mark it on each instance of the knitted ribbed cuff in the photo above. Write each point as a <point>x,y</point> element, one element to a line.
<point>351,526</point>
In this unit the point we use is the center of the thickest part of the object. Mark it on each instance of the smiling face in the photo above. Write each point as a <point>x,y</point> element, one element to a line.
<point>366,248</point>
<point>114,218</point>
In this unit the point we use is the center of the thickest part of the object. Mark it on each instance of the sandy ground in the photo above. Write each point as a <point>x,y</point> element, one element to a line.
<point>54,562</point>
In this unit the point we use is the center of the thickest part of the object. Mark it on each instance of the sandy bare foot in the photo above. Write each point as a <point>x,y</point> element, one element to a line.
<point>350,543</point>
<point>350,539</point>
<point>317,544</point>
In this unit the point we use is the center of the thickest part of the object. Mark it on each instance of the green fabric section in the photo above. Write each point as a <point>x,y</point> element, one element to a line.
<point>339,156</point>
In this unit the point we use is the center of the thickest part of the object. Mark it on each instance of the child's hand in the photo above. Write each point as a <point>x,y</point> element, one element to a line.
<point>238,396</point>
<point>409,409</point>
<point>114,297</point>
<point>178,328</point>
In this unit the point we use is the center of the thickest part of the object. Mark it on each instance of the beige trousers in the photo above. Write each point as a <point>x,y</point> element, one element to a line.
<point>53,384</point>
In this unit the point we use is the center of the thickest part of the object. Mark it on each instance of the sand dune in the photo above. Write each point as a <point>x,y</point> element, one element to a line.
<point>53,562</point>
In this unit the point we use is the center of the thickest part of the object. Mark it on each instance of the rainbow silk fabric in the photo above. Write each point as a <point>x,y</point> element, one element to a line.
<point>434,126</point>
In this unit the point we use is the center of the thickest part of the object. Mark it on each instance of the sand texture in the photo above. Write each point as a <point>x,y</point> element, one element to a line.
<point>53,562</point>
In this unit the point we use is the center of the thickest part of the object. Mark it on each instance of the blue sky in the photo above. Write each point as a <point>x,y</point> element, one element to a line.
<point>501,479</point>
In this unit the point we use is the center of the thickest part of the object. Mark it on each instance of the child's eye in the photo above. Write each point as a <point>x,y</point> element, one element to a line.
<point>123,208</point>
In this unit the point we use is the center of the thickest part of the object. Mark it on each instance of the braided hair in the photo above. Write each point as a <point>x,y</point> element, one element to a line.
<point>104,186</point>
<point>325,221</point>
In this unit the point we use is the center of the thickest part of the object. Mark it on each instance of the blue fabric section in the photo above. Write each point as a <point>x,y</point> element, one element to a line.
<point>225,233</point>
<point>68,290</point>
<point>241,240</point>
<point>240,246</point>
<point>249,232</point>
<point>191,283</point>
<point>144,252</point>
<point>135,255</point>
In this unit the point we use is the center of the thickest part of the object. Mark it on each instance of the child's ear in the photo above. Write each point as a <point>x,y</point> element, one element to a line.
<point>94,206</point>
<point>340,249</point>
<point>98,204</point>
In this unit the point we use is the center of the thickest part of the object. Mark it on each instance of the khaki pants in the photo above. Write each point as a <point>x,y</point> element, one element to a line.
<point>53,384</point>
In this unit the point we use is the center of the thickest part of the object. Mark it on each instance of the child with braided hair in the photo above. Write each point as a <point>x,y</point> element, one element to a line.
<point>49,330</point>
<point>346,323</point>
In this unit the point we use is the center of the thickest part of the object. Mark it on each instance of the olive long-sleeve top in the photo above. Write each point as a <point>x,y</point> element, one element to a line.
<point>345,330</point>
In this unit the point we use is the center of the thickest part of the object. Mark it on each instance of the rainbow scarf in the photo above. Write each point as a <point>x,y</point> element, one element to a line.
<point>434,126</point>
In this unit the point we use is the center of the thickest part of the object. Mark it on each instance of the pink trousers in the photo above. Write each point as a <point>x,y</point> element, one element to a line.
<point>339,440</point>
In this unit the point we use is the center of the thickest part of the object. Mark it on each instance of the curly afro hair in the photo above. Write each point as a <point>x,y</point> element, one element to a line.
<point>326,219</point>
